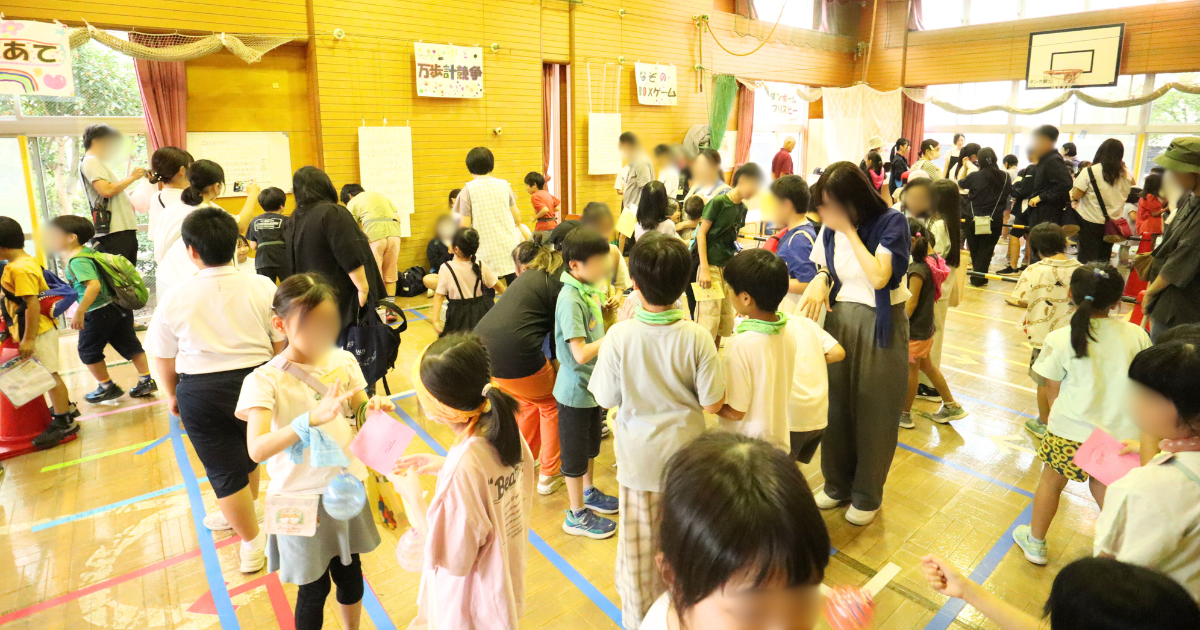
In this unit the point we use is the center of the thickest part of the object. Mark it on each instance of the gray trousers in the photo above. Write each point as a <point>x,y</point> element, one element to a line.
<point>866,393</point>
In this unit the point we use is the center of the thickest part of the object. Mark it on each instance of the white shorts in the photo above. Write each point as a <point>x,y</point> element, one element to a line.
<point>45,350</point>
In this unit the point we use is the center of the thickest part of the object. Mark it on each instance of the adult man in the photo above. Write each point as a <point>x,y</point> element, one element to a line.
<point>781,164</point>
<point>1173,296</point>
<point>1050,194</point>
<point>640,172</point>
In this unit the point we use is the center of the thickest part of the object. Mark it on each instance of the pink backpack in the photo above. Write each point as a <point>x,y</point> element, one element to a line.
<point>940,271</point>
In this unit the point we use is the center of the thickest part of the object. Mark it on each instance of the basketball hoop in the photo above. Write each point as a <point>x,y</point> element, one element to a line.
<point>1062,79</point>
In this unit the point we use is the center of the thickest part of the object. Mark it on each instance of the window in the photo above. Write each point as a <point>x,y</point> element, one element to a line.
<point>8,105</point>
<point>105,85</point>
<point>989,11</point>
<point>14,198</point>
<point>1175,107</point>
<point>1078,112</point>
<point>1033,98</point>
<point>1086,145</point>
<point>796,13</point>
<point>942,14</point>
<point>969,95</point>
<point>951,13</point>
<point>1156,143</point>
<point>1042,8</point>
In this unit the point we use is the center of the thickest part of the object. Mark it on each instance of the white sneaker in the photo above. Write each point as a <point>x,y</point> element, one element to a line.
<point>824,501</point>
<point>216,521</point>
<point>254,556</point>
<point>547,485</point>
<point>860,517</point>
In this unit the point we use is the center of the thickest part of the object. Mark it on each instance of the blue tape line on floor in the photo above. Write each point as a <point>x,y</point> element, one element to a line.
<point>208,551</point>
<point>419,316</point>
<point>961,468</point>
<point>105,508</point>
<point>948,612</point>
<point>153,445</point>
<point>375,612</point>
<point>586,587</point>
<point>994,405</point>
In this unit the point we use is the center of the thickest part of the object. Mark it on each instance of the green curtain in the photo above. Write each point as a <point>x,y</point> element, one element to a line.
<point>724,93</point>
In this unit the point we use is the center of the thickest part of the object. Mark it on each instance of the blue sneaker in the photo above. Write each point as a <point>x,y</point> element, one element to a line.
<point>600,502</point>
<point>588,524</point>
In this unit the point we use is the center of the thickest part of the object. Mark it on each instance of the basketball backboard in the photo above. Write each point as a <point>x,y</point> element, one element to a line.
<point>1075,57</point>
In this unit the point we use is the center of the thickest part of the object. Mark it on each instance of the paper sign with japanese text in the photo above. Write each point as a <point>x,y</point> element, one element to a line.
<point>782,105</point>
<point>35,59</point>
<point>655,84</point>
<point>445,71</point>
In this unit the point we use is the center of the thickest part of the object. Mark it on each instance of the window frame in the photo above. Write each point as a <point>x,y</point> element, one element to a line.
<point>1022,13</point>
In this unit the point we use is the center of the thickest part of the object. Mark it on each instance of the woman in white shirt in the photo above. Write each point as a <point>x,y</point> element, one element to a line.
<point>117,233</point>
<point>668,173</point>
<point>862,255</point>
<point>1108,175</point>
<point>168,167</point>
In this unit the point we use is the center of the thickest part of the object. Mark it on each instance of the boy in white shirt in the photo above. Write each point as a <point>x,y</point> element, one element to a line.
<point>207,335</point>
<point>760,359</point>
<point>661,372</point>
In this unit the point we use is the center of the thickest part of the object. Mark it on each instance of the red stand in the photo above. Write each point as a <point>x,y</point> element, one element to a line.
<point>19,425</point>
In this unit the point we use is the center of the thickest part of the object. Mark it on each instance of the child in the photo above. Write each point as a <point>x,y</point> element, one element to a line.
<point>1088,594</point>
<point>379,219</point>
<point>100,322</point>
<point>464,312</point>
<point>266,236</point>
<point>653,214</point>
<point>661,373</point>
<point>243,256</point>
<point>717,489</point>
<point>1042,291</point>
<point>545,205</point>
<point>35,332</point>
<point>694,209</point>
<point>578,330</point>
<point>716,243</point>
<point>634,302</point>
<point>599,218</point>
<point>1149,517</point>
<point>1151,206</point>
<point>926,273</point>
<point>203,360</point>
<point>311,394</point>
<point>472,538</point>
<point>1086,368</point>
<point>796,237</point>
<point>438,250</point>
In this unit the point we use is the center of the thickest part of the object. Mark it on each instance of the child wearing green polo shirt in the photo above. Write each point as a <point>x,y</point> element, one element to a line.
<point>578,330</point>
<point>716,243</point>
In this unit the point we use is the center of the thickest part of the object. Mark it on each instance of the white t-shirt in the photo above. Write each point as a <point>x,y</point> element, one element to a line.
<point>856,287</point>
<point>289,398</point>
<point>758,381</point>
<point>120,205</point>
<point>666,227</point>
<point>659,378</point>
<point>808,405</point>
<point>218,320</point>
<point>1151,518</point>
<point>159,202</point>
<point>1114,195</point>
<point>1095,389</point>
<point>175,265</point>
<point>669,176</point>
<point>656,617</point>
<point>466,279</point>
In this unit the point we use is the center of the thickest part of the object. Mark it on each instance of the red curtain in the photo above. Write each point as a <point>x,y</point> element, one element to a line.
<point>163,85</point>
<point>912,126</point>
<point>745,125</point>
<point>551,125</point>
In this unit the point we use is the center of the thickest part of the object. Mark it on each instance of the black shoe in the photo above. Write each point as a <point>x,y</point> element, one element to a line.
<point>925,392</point>
<point>61,427</point>
<point>104,392</point>
<point>73,410</point>
<point>144,387</point>
<point>1008,271</point>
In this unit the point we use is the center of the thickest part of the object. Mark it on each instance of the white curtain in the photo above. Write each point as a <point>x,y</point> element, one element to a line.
<point>854,114</point>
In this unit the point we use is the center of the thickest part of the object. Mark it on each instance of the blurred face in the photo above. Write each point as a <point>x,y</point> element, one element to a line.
<point>1041,144</point>
<point>1183,180</point>
<point>934,153</point>
<point>834,214</point>
<point>974,159</point>
<point>446,229</point>
<point>313,334</point>
<point>743,607</point>
<point>56,241</point>
<point>704,170</point>
<point>917,201</point>
<point>592,270</point>
<point>1155,415</point>
<point>626,151</point>
<point>747,187</point>
<point>108,147</point>
<point>604,227</point>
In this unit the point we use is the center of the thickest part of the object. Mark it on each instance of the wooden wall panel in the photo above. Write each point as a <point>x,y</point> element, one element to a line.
<point>1159,37</point>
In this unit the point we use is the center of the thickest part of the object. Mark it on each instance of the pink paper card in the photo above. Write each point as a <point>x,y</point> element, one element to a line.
<point>381,441</point>
<point>1099,457</point>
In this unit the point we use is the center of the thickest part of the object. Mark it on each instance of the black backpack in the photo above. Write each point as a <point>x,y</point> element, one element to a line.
<point>411,283</point>
<point>375,344</point>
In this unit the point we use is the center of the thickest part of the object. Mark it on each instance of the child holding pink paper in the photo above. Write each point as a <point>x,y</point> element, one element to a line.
<point>472,538</point>
<point>1086,368</point>
<point>1150,515</point>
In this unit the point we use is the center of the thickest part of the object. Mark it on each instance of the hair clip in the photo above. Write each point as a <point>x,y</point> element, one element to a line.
<point>1089,298</point>
<point>1100,273</point>
<point>486,388</point>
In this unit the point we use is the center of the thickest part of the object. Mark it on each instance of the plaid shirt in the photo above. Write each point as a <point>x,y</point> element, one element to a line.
<point>487,201</point>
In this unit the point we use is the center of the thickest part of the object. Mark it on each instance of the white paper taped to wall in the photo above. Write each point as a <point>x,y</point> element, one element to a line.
<point>385,165</point>
<point>263,158</point>
<point>603,132</point>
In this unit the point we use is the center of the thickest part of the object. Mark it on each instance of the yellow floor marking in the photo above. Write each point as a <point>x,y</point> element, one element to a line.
<point>997,319</point>
<point>998,381</point>
<point>984,354</point>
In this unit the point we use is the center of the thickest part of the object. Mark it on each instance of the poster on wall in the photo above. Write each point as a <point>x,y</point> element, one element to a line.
<point>35,59</point>
<point>655,83</point>
<point>248,157</point>
<point>784,105</point>
<point>445,71</point>
<point>603,132</point>
<point>385,164</point>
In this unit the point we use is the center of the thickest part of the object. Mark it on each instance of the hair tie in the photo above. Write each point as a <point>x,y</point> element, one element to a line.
<point>1089,298</point>
<point>1100,273</point>
<point>486,388</point>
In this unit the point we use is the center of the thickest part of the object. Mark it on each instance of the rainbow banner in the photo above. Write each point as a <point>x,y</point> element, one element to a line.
<point>35,59</point>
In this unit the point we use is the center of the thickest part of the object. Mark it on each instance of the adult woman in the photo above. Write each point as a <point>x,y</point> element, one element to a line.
<point>205,182</point>
<point>706,176</point>
<point>1101,190</point>
<point>952,160</point>
<point>168,168</point>
<point>118,233</point>
<point>323,237</point>
<point>988,190</point>
<point>489,205</point>
<point>924,166</point>
<point>899,164</point>
<point>1173,297</point>
<point>968,160</point>
<point>862,255</point>
<point>514,332</point>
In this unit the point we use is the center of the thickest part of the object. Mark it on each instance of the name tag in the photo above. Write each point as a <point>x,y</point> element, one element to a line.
<point>291,514</point>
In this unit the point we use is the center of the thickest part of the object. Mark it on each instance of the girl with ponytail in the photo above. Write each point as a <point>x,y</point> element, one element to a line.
<point>468,284</point>
<point>168,167</point>
<point>1086,367</point>
<point>469,544</point>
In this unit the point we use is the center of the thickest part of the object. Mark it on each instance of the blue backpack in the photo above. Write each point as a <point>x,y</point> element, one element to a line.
<point>55,300</point>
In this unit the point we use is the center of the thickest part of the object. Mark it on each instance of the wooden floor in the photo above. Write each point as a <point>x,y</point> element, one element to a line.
<point>100,532</point>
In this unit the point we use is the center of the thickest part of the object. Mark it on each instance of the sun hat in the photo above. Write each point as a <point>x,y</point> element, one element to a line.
<point>1182,155</point>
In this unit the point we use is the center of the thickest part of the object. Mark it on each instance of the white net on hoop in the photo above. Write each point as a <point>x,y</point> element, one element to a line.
<point>1062,79</point>
<point>177,47</point>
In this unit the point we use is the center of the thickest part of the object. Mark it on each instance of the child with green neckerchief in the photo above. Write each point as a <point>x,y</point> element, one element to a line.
<point>762,358</point>
<point>578,330</point>
<point>661,372</point>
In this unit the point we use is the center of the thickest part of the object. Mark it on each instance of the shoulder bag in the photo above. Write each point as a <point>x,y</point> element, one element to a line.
<point>1115,230</point>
